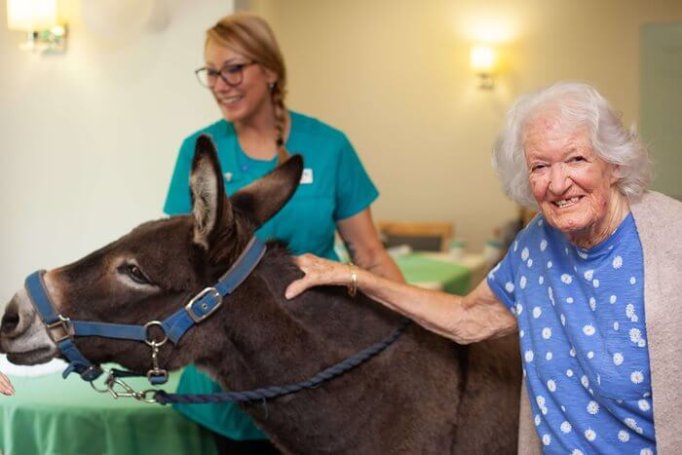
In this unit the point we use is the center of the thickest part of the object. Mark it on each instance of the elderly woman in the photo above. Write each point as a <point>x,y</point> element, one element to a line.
<point>590,284</point>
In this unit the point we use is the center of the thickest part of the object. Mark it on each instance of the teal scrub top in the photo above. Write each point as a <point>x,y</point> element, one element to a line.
<point>334,186</point>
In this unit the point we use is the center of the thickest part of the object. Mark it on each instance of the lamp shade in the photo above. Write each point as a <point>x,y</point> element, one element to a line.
<point>30,15</point>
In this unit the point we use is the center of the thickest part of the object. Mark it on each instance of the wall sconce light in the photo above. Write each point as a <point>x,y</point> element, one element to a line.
<point>483,60</point>
<point>38,18</point>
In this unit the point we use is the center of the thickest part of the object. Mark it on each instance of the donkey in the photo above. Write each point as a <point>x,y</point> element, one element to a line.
<point>423,394</point>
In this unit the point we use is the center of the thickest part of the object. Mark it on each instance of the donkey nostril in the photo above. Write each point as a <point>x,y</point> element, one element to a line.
<point>9,322</point>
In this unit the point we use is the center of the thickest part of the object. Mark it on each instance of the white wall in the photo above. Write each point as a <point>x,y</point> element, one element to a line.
<point>88,139</point>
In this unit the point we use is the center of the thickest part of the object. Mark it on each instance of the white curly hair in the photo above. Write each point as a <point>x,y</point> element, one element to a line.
<point>577,105</point>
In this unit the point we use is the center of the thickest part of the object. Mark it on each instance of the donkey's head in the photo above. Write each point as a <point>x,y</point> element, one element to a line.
<point>150,273</point>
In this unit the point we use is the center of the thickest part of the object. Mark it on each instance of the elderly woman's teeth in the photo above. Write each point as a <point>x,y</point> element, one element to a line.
<point>565,202</point>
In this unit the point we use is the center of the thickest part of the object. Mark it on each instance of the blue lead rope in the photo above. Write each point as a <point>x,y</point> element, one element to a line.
<point>269,393</point>
<point>63,331</point>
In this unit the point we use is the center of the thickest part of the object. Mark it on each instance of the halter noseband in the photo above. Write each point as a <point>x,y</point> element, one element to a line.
<point>62,330</point>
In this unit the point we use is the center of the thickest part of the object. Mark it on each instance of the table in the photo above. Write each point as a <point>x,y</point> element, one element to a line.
<point>476,263</point>
<point>441,272</point>
<point>49,415</point>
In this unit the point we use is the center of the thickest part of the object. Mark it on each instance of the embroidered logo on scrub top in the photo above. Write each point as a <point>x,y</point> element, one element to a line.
<point>307,176</point>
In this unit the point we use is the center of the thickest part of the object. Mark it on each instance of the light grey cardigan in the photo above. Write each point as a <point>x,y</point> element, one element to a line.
<point>659,223</point>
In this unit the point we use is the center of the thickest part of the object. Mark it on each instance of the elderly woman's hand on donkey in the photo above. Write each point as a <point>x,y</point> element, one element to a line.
<point>321,271</point>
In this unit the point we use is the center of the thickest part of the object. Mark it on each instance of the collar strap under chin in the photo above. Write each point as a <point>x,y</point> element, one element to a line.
<point>62,330</point>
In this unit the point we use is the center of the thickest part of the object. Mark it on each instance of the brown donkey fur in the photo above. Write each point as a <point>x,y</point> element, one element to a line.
<point>422,395</point>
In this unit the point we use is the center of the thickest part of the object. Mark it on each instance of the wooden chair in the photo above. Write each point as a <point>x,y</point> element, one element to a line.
<point>420,236</point>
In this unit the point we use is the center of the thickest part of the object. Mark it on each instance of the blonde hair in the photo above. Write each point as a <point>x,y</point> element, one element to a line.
<point>251,36</point>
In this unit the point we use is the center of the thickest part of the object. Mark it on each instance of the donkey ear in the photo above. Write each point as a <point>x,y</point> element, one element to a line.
<point>263,198</point>
<point>210,207</point>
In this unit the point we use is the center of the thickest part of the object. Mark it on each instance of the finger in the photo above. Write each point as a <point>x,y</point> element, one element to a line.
<point>301,260</point>
<point>295,288</point>
<point>5,385</point>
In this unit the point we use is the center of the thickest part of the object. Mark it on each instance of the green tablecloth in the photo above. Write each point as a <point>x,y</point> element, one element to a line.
<point>451,277</point>
<point>49,415</point>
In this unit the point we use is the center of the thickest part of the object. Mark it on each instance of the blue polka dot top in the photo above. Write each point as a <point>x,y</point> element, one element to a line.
<point>581,322</point>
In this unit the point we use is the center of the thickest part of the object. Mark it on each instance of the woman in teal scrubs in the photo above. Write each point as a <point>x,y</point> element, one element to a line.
<point>246,75</point>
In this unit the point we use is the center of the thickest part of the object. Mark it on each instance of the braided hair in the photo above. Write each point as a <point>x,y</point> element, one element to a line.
<point>251,36</point>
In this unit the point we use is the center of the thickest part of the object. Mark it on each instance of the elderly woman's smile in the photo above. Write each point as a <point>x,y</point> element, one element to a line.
<point>567,202</point>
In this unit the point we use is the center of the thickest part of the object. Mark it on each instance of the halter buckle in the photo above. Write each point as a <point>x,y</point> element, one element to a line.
<point>60,330</point>
<point>206,308</point>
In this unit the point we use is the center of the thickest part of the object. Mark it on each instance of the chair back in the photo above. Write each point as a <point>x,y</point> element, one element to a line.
<point>420,236</point>
<point>527,215</point>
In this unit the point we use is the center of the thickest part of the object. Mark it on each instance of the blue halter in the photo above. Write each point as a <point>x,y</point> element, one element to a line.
<point>62,330</point>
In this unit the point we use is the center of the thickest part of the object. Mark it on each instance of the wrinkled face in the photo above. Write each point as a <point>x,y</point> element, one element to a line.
<point>248,99</point>
<point>574,188</point>
<point>129,281</point>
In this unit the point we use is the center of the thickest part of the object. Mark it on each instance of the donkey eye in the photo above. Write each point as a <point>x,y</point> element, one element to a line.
<point>134,272</point>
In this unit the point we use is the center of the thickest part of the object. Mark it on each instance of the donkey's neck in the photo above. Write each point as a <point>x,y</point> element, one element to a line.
<point>261,339</point>
<point>263,344</point>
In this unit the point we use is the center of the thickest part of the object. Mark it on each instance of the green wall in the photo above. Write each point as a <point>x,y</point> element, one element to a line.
<point>661,103</point>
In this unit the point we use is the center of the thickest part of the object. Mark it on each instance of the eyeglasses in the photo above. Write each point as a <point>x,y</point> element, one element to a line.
<point>231,75</point>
